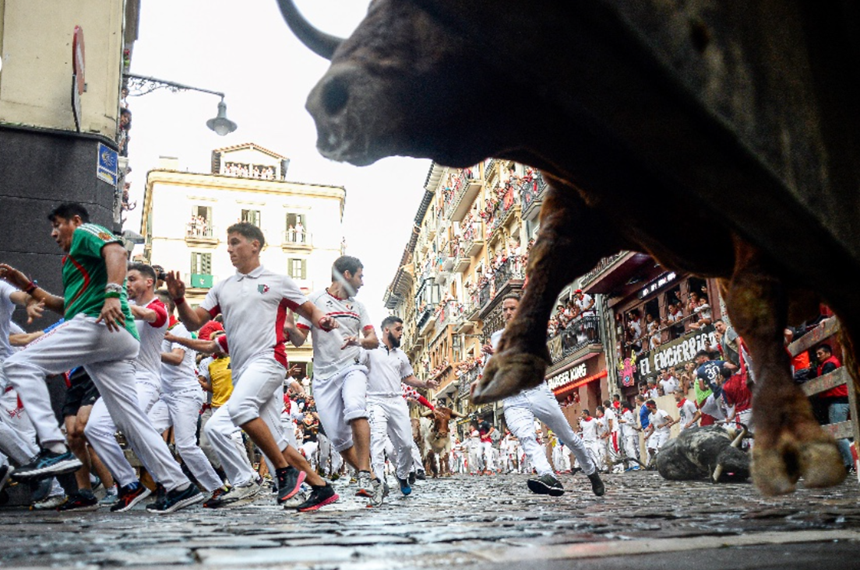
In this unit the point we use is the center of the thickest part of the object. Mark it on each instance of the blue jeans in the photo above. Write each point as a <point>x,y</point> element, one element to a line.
<point>836,413</point>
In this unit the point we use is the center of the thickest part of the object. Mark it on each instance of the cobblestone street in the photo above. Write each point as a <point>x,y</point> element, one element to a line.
<point>467,522</point>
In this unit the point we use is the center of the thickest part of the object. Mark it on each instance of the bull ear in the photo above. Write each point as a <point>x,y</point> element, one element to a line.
<point>318,42</point>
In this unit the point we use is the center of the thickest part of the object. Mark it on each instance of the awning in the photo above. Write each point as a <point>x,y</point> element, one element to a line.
<point>564,390</point>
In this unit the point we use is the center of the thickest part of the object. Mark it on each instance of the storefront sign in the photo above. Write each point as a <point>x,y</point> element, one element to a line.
<point>676,352</point>
<point>568,376</point>
<point>664,279</point>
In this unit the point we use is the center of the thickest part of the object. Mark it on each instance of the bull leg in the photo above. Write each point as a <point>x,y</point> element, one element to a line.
<point>789,443</point>
<point>571,240</point>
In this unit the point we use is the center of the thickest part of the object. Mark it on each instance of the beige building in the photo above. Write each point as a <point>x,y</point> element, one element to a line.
<point>186,216</point>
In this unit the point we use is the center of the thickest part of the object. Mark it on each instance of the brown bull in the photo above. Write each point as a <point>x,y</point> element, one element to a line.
<point>703,146</point>
<point>437,440</point>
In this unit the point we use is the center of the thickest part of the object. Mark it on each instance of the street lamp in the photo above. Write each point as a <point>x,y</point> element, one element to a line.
<point>141,85</point>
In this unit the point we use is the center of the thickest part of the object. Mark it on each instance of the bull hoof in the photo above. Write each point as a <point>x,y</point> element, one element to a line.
<point>508,374</point>
<point>776,469</point>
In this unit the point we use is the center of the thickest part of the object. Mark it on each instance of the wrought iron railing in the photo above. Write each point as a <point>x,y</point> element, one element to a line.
<point>466,380</point>
<point>601,266</point>
<point>532,190</point>
<point>510,269</point>
<point>578,333</point>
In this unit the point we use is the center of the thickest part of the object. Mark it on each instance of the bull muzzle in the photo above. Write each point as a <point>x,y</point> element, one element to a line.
<point>321,43</point>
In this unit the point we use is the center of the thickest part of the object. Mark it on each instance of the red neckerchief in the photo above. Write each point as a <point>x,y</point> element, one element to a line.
<point>681,403</point>
<point>588,418</point>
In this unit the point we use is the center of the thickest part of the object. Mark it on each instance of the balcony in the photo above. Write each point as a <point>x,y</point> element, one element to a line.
<point>485,296</point>
<point>473,238</point>
<point>201,281</point>
<point>466,380</point>
<point>451,314</point>
<point>293,240</point>
<point>508,271</point>
<point>532,195</point>
<point>424,319</point>
<point>200,236</point>
<point>465,192</point>
<point>579,334</point>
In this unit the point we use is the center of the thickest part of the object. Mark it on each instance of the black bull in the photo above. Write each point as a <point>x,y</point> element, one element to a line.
<point>721,139</point>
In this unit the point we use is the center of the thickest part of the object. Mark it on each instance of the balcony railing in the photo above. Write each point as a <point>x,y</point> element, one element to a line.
<point>422,317</point>
<point>532,191</point>
<point>510,269</point>
<point>466,380</point>
<point>601,266</point>
<point>297,239</point>
<point>450,314</point>
<point>473,238</point>
<point>579,333</point>
<point>192,231</point>
<point>485,295</point>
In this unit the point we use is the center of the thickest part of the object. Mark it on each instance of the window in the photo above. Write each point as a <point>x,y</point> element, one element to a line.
<point>200,224</point>
<point>297,268</point>
<point>251,216</point>
<point>297,230</point>
<point>201,263</point>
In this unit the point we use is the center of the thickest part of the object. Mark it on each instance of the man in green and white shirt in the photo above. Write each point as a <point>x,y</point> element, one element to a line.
<point>99,334</point>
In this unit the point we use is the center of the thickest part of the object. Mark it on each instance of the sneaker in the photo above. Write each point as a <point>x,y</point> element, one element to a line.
<point>378,496</point>
<point>296,500</point>
<point>47,464</point>
<point>40,489</point>
<point>546,485</point>
<point>95,482</point>
<point>214,501</point>
<point>129,496</point>
<point>48,503</point>
<point>405,488</point>
<point>110,498</point>
<point>174,500</point>
<point>5,474</point>
<point>411,478</point>
<point>597,484</point>
<point>420,475</point>
<point>80,501</point>
<point>289,483</point>
<point>365,486</point>
<point>238,496</point>
<point>320,497</point>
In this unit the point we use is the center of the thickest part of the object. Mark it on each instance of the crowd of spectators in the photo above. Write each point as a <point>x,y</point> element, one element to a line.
<point>261,171</point>
<point>198,226</point>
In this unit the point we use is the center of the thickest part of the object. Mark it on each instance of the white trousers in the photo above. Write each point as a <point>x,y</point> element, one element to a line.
<point>475,463</point>
<point>539,402</point>
<point>181,410</point>
<point>341,399</point>
<point>205,444</point>
<point>17,434</point>
<point>631,446</point>
<point>101,432</point>
<point>258,392</point>
<point>389,418</point>
<point>108,358</point>
<point>417,464</point>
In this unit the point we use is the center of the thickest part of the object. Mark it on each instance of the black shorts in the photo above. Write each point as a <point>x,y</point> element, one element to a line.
<point>81,393</point>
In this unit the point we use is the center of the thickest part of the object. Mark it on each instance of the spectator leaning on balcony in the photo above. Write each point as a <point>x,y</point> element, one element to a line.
<point>729,342</point>
<point>703,311</point>
<point>585,310</point>
<point>634,328</point>
<point>836,398</point>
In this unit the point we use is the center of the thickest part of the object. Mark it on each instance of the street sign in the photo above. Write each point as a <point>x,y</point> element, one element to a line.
<point>78,75</point>
<point>106,164</point>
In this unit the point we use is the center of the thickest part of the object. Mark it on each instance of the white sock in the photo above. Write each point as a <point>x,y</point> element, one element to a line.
<point>58,447</point>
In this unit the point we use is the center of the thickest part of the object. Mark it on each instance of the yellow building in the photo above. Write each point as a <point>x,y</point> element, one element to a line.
<point>186,216</point>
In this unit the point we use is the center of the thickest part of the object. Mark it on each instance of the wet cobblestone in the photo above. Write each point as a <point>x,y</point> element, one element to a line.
<point>462,520</point>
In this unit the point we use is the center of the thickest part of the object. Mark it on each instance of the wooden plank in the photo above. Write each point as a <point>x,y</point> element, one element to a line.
<point>842,430</point>
<point>823,383</point>
<point>824,330</point>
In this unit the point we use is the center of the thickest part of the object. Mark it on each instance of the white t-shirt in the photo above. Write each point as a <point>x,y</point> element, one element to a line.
<point>669,385</point>
<point>583,303</point>
<point>254,307</point>
<point>628,425</point>
<point>352,319</point>
<point>589,429</point>
<point>686,412</point>
<point>7,307</point>
<point>148,361</point>
<point>386,368</point>
<point>659,417</point>
<point>183,376</point>
<point>653,393</point>
<point>611,417</point>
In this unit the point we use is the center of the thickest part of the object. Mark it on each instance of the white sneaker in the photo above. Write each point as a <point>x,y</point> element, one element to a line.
<point>49,503</point>
<point>378,495</point>
<point>296,500</point>
<point>111,497</point>
<point>240,495</point>
<point>365,486</point>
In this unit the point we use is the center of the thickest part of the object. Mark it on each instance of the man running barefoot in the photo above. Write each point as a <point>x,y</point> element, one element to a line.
<point>520,413</point>
<point>340,382</point>
<point>254,304</point>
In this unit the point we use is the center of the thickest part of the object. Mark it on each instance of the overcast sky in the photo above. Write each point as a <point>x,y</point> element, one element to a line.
<point>245,50</point>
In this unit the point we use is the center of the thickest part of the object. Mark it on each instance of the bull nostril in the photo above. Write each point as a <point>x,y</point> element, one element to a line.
<point>335,96</point>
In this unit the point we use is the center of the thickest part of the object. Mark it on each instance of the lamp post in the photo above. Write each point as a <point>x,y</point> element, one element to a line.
<point>141,85</point>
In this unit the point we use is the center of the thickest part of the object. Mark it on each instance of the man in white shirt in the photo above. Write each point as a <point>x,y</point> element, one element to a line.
<point>521,411</point>
<point>254,304</point>
<point>388,367</point>
<point>668,383</point>
<point>340,382</point>
<point>589,427</point>
<point>659,426</point>
<point>686,411</point>
<point>629,435</point>
<point>585,311</point>
<point>612,443</point>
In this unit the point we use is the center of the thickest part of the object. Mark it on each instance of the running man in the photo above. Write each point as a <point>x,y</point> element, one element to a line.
<point>340,382</point>
<point>99,334</point>
<point>254,304</point>
<point>539,402</point>
<point>389,413</point>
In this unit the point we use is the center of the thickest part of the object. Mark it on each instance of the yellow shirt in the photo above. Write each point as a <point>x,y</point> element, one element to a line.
<point>221,377</point>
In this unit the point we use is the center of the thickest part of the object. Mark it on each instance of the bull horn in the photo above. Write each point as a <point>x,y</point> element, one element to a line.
<point>426,414</point>
<point>318,42</point>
